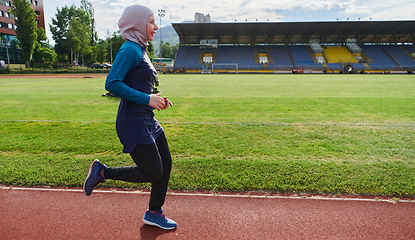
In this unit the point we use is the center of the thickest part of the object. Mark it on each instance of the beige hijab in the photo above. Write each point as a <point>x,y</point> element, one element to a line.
<point>133,24</point>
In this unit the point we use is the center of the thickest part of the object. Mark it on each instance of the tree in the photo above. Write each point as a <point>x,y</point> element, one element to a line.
<point>116,41</point>
<point>173,51</point>
<point>168,51</point>
<point>165,50</point>
<point>150,51</point>
<point>43,51</point>
<point>77,39</point>
<point>46,55</point>
<point>87,7</point>
<point>71,32</point>
<point>26,32</point>
<point>100,51</point>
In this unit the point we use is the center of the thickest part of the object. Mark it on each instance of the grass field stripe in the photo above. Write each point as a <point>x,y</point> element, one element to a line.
<point>222,123</point>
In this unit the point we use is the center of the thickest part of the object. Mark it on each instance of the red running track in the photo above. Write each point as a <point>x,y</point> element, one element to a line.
<point>58,214</point>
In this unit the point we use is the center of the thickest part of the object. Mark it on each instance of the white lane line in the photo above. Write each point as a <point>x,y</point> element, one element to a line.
<point>392,200</point>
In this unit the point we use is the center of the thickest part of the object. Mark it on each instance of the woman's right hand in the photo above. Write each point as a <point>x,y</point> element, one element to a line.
<point>157,102</point>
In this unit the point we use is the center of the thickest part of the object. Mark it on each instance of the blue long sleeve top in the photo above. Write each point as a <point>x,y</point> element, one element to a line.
<point>131,78</point>
<point>128,57</point>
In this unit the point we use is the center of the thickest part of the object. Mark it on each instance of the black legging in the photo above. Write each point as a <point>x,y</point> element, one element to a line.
<point>153,164</point>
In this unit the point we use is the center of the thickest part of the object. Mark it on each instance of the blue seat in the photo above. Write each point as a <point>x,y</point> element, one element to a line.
<point>379,58</point>
<point>188,58</point>
<point>403,59</point>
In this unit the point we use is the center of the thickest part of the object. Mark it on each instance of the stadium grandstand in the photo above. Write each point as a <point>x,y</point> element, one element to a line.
<point>296,47</point>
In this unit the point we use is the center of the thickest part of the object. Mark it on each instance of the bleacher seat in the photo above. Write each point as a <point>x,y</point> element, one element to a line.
<point>409,48</point>
<point>188,58</point>
<point>358,66</point>
<point>334,66</point>
<point>380,60</point>
<point>280,57</point>
<point>302,57</point>
<point>403,59</point>
<point>242,55</point>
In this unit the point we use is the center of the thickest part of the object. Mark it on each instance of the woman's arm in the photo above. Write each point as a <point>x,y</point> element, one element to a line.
<point>127,57</point>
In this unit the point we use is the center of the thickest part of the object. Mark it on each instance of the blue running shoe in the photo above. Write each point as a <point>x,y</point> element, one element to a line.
<point>93,177</point>
<point>159,220</point>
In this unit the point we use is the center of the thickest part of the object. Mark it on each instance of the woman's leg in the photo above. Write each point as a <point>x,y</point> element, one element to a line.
<point>153,164</point>
<point>159,188</point>
<point>148,166</point>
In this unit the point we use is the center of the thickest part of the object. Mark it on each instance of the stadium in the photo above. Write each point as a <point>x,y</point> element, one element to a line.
<point>296,47</point>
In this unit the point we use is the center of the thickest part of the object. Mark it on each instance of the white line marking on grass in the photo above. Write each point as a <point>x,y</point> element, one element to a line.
<point>393,200</point>
<point>53,121</point>
<point>296,124</point>
<point>225,123</point>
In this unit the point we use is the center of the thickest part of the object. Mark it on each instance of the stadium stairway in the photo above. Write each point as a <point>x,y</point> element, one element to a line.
<point>365,57</point>
<point>389,55</point>
<point>201,55</point>
<point>270,58</point>
<point>214,51</point>
<point>367,66</point>
<point>291,55</point>
<point>407,52</point>
<point>310,51</point>
<point>256,55</point>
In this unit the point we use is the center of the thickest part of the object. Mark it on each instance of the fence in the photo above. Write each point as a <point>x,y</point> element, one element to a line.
<point>50,71</point>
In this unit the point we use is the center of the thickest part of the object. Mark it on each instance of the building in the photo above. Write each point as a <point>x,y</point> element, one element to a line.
<point>8,44</point>
<point>201,18</point>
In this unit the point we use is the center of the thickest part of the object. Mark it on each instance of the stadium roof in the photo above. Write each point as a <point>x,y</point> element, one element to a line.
<point>297,32</point>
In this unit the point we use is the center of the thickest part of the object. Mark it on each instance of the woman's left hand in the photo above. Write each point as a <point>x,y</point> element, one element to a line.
<point>167,103</point>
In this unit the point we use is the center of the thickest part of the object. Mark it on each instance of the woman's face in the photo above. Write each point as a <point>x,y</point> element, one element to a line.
<point>151,28</point>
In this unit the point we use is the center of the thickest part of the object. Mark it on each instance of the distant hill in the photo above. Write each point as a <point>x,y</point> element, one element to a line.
<point>168,35</point>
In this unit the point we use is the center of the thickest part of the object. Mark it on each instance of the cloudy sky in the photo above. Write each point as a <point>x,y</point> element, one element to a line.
<point>107,12</point>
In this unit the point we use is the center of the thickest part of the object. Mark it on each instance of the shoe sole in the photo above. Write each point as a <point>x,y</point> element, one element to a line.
<point>89,173</point>
<point>155,224</point>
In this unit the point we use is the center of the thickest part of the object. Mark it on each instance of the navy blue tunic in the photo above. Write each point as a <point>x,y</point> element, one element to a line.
<point>131,78</point>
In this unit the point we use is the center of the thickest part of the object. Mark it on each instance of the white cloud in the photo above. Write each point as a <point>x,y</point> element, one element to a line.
<point>107,12</point>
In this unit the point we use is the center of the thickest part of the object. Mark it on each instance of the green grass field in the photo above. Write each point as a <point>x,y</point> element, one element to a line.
<point>352,134</point>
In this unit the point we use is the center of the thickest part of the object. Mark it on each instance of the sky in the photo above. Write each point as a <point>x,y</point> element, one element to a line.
<point>107,12</point>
